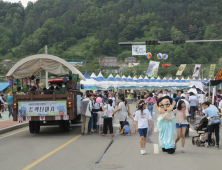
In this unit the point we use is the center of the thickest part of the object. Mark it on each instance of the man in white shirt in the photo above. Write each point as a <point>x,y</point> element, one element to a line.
<point>114,99</point>
<point>166,93</point>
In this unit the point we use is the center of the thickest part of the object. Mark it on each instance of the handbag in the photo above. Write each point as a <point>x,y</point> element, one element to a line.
<point>105,113</point>
<point>214,120</point>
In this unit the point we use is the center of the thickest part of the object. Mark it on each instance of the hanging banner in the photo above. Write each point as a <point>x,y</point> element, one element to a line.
<point>180,70</point>
<point>196,70</point>
<point>166,65</point>
<point>138,49</point>
<point>152,70</point>
<point>212,69</point>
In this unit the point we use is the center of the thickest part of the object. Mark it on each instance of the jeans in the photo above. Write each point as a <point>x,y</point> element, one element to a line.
<point>150,108</point>
<point>10,110</point>
<point>193,111</point>
<point>90,126</point>
<point>129,101</point>
<point>214,127</point>
<point>95,126</point>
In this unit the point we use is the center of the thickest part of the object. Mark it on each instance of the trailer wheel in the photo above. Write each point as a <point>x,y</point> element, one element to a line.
<point>66,126</point>
<point>61,125</point>
<point>31,126</point>
<point>37,127</point>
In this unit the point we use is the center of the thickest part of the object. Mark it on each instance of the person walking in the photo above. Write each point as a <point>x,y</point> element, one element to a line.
<point>193,104</point>
<point>213,123</point>
<point>86,108</point>
<point>114,100</point>
<point>108,119</point>
<point>123,110</point>
<point>129,97</point>
<point>10,104</point>
<point>151,101</point>
<point>96,109</point>
<point>181,123</point>
<point>142,118</point>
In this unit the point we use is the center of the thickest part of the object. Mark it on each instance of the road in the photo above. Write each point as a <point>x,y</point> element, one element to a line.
<point>52,149</point>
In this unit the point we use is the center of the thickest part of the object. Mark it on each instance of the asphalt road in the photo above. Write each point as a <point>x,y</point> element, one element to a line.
<point>51,149</point>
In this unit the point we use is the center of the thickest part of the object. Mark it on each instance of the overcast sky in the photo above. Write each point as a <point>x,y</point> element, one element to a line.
<point>24,2</point>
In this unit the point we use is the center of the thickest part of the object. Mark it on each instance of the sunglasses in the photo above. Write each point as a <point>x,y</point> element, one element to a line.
<point>162,105</point>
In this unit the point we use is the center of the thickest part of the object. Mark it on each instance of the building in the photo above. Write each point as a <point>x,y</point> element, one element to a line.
<point>110,69</point>
<point>109,61</point>
<point>130,60</point>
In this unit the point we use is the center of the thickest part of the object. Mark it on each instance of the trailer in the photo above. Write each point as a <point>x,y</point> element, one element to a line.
<point>45,109</point>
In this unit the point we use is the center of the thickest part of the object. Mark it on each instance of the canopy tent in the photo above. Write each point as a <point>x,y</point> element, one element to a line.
<point>32,65</point>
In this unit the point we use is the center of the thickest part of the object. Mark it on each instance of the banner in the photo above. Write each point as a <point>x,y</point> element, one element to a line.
<point>138,49</point>
<point>152,70</point>
<point>166,65</point>
<point>196,70</point>
<point>212,69</point>
<point>180,70</point>
<point>42,108</point>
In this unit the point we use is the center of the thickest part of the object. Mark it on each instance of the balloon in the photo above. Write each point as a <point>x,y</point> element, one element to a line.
<point>165,56</point>
<point>160,56</point>
<point>148,55</point>
<point>99,100</point>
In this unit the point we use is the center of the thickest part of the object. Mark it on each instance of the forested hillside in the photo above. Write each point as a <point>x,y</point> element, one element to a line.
<point>87,29</point>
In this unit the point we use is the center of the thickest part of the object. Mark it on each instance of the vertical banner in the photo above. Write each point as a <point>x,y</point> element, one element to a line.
<point>212,69</point>
<point>139,50</point>
<point>152,70</point>
<point>196,70</point>
<point>180,70</point>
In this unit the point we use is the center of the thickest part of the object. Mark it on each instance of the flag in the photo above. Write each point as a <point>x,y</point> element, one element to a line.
<point>166,65</point>
<point>152,70</point>
<point>196,70</point>
<point>212,69</point>
<point>180,70</point>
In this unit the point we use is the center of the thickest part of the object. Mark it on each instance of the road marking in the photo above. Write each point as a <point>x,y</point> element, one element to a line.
<point>50,153</point>
<point>156,148</point>
<point>10,134</point>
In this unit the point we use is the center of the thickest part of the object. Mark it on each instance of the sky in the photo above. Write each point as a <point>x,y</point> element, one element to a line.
<point>24,2</point>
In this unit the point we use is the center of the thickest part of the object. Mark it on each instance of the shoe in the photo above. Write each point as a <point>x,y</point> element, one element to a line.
<point>142,152</point>
<point>182,150</point>
<point>92,130</point>
<point>208,146</point>
<point>175,146</point>
<point>217,147</point>
<point>82,133</point>
<point>103,135</point>
<point>112,135</point>
<point>145,152</point>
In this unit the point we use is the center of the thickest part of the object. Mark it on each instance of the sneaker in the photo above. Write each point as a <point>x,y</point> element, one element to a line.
<point>208,146</point>
<point>92,130</point>
<point>182,150</point>
<point>175,146</point>
<point>142,152</point>
<point>217,147</point>
<point>145,152</point>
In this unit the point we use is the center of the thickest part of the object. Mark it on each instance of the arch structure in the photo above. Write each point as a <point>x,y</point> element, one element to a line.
<point>32,65</point>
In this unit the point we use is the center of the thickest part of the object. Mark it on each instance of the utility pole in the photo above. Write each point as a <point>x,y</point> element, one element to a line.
<point>46,72</point>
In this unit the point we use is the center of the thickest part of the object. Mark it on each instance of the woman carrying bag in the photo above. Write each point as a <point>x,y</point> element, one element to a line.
<point>108,109</point>
<point>150,101</point>
<point>123,108</point>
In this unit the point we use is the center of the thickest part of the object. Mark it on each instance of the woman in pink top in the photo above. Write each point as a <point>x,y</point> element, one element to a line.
<point>150,101</point>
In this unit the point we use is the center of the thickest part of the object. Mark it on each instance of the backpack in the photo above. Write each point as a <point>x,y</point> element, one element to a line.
<point>83,107</point>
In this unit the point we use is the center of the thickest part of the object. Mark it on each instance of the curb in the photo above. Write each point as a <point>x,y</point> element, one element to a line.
<point>15,127</point>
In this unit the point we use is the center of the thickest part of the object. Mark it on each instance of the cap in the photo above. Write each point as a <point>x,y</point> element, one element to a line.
<point>183,95</point>
<point>92,94</point>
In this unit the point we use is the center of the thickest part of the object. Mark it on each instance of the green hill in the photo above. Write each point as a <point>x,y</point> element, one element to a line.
<point>86,29</point>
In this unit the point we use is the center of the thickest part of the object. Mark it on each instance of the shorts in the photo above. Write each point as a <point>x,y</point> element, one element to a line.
<point>180,126</point>
<point>143,132</point>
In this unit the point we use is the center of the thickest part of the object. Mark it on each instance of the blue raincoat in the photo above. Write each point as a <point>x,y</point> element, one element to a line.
<point>166,130</point>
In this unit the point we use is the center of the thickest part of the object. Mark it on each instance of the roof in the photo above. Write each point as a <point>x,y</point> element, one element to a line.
<point>32,65</point>
<point>3,86</point>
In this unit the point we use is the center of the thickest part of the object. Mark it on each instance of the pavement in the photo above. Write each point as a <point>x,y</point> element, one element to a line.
<point>52,149</point>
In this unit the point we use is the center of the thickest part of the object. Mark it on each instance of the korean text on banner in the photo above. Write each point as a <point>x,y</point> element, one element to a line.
<point>212,69</point>
<point>138,49</point>
<point>42,108</point>
<point>180,70</point>
<point>152,70</point>
<point>196,70</point>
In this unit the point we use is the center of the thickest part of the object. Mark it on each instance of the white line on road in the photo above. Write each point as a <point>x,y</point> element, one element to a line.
<point>156,148</point>
<point>10,134</point>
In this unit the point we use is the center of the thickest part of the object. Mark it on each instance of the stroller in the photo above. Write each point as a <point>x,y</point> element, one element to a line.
<point>202,130</point>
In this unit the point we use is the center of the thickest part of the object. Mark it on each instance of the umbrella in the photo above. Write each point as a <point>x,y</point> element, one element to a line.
<point>195,90</point>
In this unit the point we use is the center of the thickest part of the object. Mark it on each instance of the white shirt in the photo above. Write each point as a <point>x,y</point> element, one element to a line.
<point>114,101</point>
<point>193,100</point>
<point>2,100</point>
<point>110,108</point>
<point>142,118</point>
<point>187,106</point>
<point>123,112</point>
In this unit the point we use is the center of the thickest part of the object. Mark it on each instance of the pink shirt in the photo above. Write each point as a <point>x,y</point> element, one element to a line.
<point>150,100</point>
